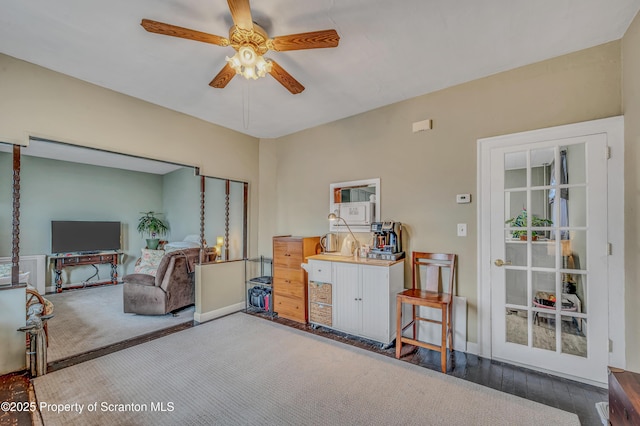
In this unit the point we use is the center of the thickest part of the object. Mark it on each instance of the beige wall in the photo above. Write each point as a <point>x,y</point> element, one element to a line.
<point>37,101</point>
<point>422,173</point>
<point>631,108</point>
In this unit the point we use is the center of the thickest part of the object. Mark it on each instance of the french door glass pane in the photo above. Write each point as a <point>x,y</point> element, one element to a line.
<point>516,287</point>
<point>574,340</point>
<point>514,203</point>
<point>539,208</point>
<point>515,251</point>
<point>515,174</point>
<point>540,174</point>
<point>574,250</point>
<point>574,286</point>
<point>544,252</point>
<point>544,288</point>
<point>541,162</point>
<point>517,328</point>
<point>544,330</point>
<point>576,207</point>
<point>576,170</point>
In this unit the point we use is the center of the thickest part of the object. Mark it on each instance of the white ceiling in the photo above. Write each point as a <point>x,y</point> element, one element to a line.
<point>389,50</point>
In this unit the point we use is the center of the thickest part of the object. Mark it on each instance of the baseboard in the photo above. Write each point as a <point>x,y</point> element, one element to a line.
<point>208,316</point>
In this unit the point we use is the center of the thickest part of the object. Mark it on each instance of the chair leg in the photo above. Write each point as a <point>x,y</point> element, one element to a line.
<point>450,328</point>
<point>415,323</point>
<point>398,327</point>
<point>443,347</point>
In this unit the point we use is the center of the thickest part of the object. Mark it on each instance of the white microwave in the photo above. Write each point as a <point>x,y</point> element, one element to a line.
<point>356,213</point>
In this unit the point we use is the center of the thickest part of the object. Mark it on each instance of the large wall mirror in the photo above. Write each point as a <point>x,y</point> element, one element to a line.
<point>67,183</point>
<point>357,202</point>
<point>62,182</point>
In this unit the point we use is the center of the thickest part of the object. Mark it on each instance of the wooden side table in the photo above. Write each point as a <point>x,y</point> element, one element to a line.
<point>65,261</point>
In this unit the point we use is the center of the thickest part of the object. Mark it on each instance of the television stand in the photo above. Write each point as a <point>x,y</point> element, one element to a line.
<point>78,259</point>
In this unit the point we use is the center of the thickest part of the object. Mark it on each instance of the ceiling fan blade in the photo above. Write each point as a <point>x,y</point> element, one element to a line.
<point>175,31</point>
<point>312,40</point>
<point>285,78</point>
<point>223,78</point>
<point>241,13</point>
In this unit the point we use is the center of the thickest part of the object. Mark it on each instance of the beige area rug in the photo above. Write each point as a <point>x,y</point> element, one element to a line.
<point>92,318</point>
<point>243,370</point>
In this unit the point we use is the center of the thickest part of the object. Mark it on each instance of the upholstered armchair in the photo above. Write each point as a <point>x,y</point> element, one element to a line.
<point>170,289</point>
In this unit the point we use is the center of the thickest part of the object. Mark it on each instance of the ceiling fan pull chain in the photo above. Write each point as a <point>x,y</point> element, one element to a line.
<point>245,104</point>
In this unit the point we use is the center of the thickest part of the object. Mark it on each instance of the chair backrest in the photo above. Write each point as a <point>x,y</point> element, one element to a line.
<point>178,262</point>
<point>429,270</point>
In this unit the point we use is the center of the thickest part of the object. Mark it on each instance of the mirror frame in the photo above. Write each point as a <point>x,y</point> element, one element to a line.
<point>335,227</point>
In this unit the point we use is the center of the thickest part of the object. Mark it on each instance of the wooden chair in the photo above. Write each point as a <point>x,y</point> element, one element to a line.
<point>430,296</point>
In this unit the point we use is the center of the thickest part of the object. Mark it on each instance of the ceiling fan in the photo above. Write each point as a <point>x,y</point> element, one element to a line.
<point>250,42</point>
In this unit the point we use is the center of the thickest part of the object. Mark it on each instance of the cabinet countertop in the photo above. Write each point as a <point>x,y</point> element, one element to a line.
<point>353,259</point>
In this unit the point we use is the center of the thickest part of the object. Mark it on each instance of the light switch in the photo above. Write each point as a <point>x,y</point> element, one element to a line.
<point>462,230</point>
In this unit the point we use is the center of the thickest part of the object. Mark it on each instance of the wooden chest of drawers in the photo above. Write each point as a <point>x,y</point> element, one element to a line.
<point>289,279</point>
<point>624,397</point>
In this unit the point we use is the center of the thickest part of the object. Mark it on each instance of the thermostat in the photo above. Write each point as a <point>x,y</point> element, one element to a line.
<point>463,198</point>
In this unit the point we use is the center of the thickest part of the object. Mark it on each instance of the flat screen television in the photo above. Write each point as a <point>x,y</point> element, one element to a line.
<point>84,236</point>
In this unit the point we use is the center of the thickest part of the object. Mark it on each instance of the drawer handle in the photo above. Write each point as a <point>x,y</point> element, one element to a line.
<point>287,254</point>
<point>287,281</point>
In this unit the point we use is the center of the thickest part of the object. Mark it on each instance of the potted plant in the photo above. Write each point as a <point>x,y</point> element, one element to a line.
<point>521,221</point>
<point>153,226</point>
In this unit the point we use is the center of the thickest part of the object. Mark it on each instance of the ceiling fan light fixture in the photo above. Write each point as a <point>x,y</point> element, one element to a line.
<point>263,66</point>
<point>247,56</point>
<point>250,41</point>
<point>249,64</point>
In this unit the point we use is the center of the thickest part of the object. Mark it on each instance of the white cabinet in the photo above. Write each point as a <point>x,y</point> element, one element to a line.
<point>378,303</point>
<point>364,297</point>
<point>347,295</point>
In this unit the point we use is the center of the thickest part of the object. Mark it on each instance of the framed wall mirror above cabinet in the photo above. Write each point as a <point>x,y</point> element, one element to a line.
<point>357,202</point>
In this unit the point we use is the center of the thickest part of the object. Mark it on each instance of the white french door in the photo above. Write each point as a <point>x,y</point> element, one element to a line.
<point>555,303</point>
<point>548,242</point>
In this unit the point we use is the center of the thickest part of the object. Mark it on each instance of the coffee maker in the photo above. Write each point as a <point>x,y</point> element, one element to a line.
<point>387,241</point>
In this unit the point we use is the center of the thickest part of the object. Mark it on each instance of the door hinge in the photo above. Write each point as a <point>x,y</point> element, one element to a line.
<point>609,249</point>
<point>608,152</point>
<point>610,345</point>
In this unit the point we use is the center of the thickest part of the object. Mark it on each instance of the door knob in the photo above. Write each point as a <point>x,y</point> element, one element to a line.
<point>500,262</point>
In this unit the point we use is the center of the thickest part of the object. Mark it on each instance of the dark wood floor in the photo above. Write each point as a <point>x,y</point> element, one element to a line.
<point>557,392</point>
